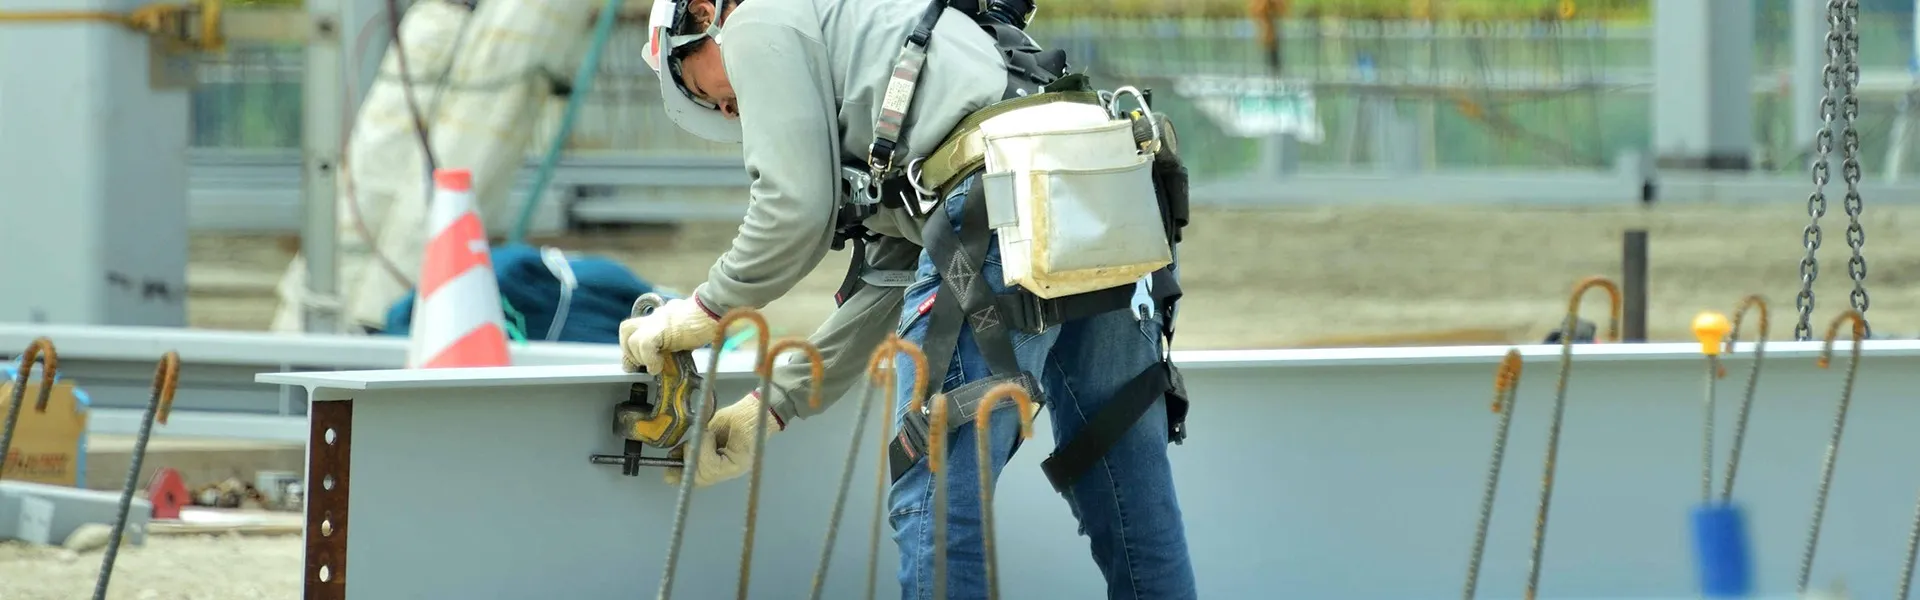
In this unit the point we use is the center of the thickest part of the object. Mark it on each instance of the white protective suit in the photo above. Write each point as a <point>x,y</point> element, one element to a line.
<point>496,83</point>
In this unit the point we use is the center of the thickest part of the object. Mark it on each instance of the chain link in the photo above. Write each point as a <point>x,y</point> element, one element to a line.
<point>1850,168</point>
<point>1823,150</point>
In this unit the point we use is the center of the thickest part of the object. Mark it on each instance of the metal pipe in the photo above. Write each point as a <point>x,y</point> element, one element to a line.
<point>1567,329</point>
<point>1833,442</point>
<point>41,349</point>
<point>1633,285</point>
<point>765,370</point>
<point>982,443</point>
<point>887,354</point>
<point>1506,380</point>
<point>166,378</point>
<point>697,432</point>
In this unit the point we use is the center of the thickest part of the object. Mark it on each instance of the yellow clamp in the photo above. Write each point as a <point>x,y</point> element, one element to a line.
<point>193,25</point>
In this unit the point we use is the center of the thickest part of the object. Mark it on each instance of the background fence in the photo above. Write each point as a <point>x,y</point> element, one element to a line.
<point>1479,93</point>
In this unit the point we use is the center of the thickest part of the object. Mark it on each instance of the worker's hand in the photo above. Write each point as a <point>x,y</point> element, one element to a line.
<point>729,442</point>
<point>679,325</point>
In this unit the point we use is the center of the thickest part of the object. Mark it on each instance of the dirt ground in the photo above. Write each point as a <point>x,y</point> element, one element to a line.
<point>1332,276</point>
<point>1254,279</point>
<point>205,567</point>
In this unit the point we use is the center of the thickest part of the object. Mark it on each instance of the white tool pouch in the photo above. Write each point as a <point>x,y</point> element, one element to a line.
<point>1071,196</point>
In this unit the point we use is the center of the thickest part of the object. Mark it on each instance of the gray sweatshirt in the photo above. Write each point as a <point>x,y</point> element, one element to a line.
<point>809,76</point>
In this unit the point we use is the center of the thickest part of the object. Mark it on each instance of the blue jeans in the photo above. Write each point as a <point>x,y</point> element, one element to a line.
<point>1125,504</point>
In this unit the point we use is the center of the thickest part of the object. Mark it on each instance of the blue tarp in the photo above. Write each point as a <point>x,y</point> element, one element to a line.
<point>589,296</point>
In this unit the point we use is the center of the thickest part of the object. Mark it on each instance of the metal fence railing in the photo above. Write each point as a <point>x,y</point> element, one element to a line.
<point>1480,95</point>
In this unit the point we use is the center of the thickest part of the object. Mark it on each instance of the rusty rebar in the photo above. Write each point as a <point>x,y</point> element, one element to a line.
<point>166,378</point>
<point>1506,383</point>
<point>1833,442</point>
<point>41,349</point>
<point>982,422</point>
<point>1757,303</point>
<point>1567,329</point>
<point>937,465</point>
<point>880,375</point>
<point>765,371</point>
<point>698,429</point>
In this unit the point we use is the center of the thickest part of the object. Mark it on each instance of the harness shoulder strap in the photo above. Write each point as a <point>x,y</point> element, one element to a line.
<point>899,95</point>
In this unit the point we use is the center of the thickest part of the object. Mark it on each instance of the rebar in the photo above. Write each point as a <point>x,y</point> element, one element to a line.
<point>1833,442</point>
<point>698,430</point>
<point>937,464</point>
<point>765,371</point>
<point>1757,303</point>
<point>887,355</point>
<point>981,423</point>
<point>1506,381</point>
<point>1567,330</point>
<point>166,378</point>
<point>41,349</point>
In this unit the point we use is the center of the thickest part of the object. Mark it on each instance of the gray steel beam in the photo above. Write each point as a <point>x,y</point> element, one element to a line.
<point>321,108</point>
<point>47,514</point>
<point>1310,473</point>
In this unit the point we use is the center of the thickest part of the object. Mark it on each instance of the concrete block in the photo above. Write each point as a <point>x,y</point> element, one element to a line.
<point>47,514</point>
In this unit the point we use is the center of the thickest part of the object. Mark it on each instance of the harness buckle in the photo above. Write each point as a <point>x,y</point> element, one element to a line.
<point>919,205</point>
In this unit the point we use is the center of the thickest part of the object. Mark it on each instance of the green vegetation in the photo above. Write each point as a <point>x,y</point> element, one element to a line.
<point>1444,10</point>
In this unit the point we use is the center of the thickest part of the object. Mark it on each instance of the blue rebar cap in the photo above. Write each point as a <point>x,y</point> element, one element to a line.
<point>1721,551</point>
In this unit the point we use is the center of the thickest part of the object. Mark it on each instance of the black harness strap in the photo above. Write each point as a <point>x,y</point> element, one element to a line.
<point>1161,380</point>
<point>963,405</point>
<point>964,296</point>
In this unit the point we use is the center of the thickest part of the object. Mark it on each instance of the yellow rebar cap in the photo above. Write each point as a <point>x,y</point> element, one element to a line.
<point>1711,328</point>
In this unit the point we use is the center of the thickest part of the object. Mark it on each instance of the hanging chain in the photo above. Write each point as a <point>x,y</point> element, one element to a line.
<point>1850,167</point>
<point>1823,149</point>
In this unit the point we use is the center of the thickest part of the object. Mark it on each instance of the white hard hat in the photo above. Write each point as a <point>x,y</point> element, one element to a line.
<point>696,117</point>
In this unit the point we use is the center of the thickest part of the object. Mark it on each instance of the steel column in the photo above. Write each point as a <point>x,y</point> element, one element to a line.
<point>1703,73</point>
<point>322,113</point>
<point>93,158</point>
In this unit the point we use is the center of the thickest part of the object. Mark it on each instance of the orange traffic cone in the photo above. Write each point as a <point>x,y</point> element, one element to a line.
<point>457,321</point>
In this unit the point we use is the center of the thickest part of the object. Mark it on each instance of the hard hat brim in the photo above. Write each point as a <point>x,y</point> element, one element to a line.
<point>707,123</point>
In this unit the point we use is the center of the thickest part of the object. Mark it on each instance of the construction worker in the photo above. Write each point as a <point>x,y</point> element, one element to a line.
<point>835,104</point>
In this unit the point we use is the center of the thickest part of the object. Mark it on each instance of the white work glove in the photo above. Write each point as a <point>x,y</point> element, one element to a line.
<point>679,325</point>
<point>729,443</point>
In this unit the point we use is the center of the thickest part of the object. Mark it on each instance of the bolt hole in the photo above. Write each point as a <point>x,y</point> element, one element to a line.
<point>326,528</point>
<point>328,436</point>
<point>327,482</point>
<point>325,574</point>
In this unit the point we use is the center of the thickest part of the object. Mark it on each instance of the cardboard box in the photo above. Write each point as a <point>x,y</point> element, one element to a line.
<point>51,447</point>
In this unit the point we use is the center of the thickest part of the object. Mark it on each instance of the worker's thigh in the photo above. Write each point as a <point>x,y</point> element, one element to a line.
<point>1125,504</point>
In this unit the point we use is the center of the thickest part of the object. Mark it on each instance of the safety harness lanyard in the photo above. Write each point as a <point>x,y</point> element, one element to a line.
<point>899,97</point>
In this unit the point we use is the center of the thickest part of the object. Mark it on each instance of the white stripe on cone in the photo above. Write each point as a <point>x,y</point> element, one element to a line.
<point>454,311</point>
<point>460,322</point>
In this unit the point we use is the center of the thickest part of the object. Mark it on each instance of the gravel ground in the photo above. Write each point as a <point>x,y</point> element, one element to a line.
<point>1315,276</point>
<point>1254,279</point>
<point>201,567</point>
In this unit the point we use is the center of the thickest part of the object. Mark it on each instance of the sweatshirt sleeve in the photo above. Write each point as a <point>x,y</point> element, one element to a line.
<point>847,339</point>
<point>790,143</point>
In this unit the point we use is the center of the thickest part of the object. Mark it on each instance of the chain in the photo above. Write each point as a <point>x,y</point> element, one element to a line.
<point>1823,149</point>
<point>1850,167</point>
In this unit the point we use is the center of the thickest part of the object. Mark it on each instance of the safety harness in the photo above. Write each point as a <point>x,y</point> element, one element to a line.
<point>1035,76</point>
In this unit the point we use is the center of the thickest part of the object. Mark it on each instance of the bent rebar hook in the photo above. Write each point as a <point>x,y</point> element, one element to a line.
<point>166,378</point>
<point>765,370</point>
<point>698,429</point>
<point>1757,303</point>
<point>1839,427</point>
<point>886,355</point>
<point>40,350</point>
<point>937,465</point>
<point>1506,382</point>
<point>981,423</point>
<point>1559,411</point>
